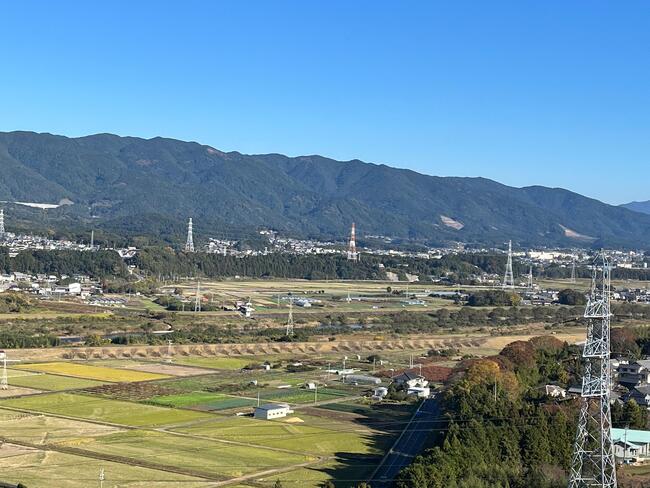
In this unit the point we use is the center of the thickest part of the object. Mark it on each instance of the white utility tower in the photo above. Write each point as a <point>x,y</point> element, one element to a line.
<point>573,271</point>
<point>353,255</point>
<point>509,279</point>
<point>290,318</point>
<point>4,383</point>
<point>2,222</point>
<point>92,239</point>
<point>102,478</point>
<point>530,278</point>
<point>593,464</point>
<point>197,301</point>
<point>189,244</point>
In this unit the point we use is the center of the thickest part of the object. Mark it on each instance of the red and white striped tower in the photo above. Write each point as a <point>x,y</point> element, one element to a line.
<point>353,255</point>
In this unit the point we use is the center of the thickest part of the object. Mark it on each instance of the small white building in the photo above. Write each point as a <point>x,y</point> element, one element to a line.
<point>419,391</point>
<point>380,393</point>
<point>272,411</point>
<point>555,391</point>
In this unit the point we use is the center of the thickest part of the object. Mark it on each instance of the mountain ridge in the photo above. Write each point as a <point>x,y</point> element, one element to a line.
<point>642,207</point>
<point>112,178</point>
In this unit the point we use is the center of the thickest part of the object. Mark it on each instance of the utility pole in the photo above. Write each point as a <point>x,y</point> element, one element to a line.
<point>2,222</point>
<point>290,318</point>
<point>593,463</point>
<point>102,477</point>
<point>197,302</point>
<point>169,350</point>
<point>92,239</point>
<point>315,392</point>
<point>530,278</point>
<point>508,279</point>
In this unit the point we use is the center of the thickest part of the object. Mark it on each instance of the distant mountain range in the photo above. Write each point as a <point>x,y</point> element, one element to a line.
<point>153,185</point>
<point>643,207</point>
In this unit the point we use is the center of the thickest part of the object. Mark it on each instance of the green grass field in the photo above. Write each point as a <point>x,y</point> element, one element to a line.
<point>203,455</point>
<point>110,411</point>
<point>43,381</point>
<point>329,438</point>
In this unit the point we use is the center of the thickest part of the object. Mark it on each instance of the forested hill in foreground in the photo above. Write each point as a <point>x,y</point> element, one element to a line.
<point>128,184</point>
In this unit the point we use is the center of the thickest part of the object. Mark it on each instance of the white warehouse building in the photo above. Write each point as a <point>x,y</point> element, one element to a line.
<point>272,411</point>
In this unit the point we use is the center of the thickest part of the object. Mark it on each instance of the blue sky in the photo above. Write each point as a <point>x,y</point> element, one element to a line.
<point>523,92</point>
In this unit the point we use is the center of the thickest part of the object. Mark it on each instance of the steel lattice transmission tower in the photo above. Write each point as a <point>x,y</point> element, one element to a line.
<point>509,279</point>
<point>573,271</point>
<point>353,255</point>
<point>189,244</point>
<point>2,222</point>
<point>290,318</point>
<point>593,463</point>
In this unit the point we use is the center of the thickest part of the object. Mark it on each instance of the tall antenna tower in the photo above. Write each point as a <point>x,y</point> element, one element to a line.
<point>197,301</point>
<point>509,279</point>
<point>2,222</point>
<point>530,278</point>
<point>290,318</point>
<point>189,244</point>
<point>573,271</point>
<point>353,255</point>
<point>92,239</point>
<point>593,463</point>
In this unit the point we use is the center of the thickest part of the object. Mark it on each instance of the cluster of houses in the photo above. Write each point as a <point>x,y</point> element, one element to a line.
<point>632,382</point>
<point>48,286</point>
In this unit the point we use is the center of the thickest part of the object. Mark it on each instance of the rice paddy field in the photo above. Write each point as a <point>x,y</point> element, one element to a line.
<point>191,426</point>
<point>91,372</point>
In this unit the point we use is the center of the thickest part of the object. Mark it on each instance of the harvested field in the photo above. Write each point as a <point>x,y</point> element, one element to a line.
<point>87,371</point>
<point>231,364</point>
<point>43,430</point>
<point>14,391</point>
<point>48,469</point>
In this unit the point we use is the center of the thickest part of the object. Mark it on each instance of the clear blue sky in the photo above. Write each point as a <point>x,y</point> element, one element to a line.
<point>524,92</point>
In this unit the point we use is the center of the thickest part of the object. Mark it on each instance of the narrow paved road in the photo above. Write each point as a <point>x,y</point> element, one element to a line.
<point>408,445</point>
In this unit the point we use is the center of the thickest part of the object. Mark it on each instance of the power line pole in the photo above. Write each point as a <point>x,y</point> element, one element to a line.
<point>290,318</point>
<point>509,279</point>
<point>102,477</point>
<point>169,350</point>
<point>593,463</point>
<point>2,222</point>
<point>197,302</point>
<point>530,278</point>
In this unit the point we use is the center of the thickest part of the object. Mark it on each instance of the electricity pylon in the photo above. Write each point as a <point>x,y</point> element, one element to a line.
<point>509,279</point>
<point>290,318</point>
<point>353,255</point>
<point>4,381</point>
<point>593,464</point>
<point>189,243</point>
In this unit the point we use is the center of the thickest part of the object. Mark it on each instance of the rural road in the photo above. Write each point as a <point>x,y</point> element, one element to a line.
<point>408,445</point>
